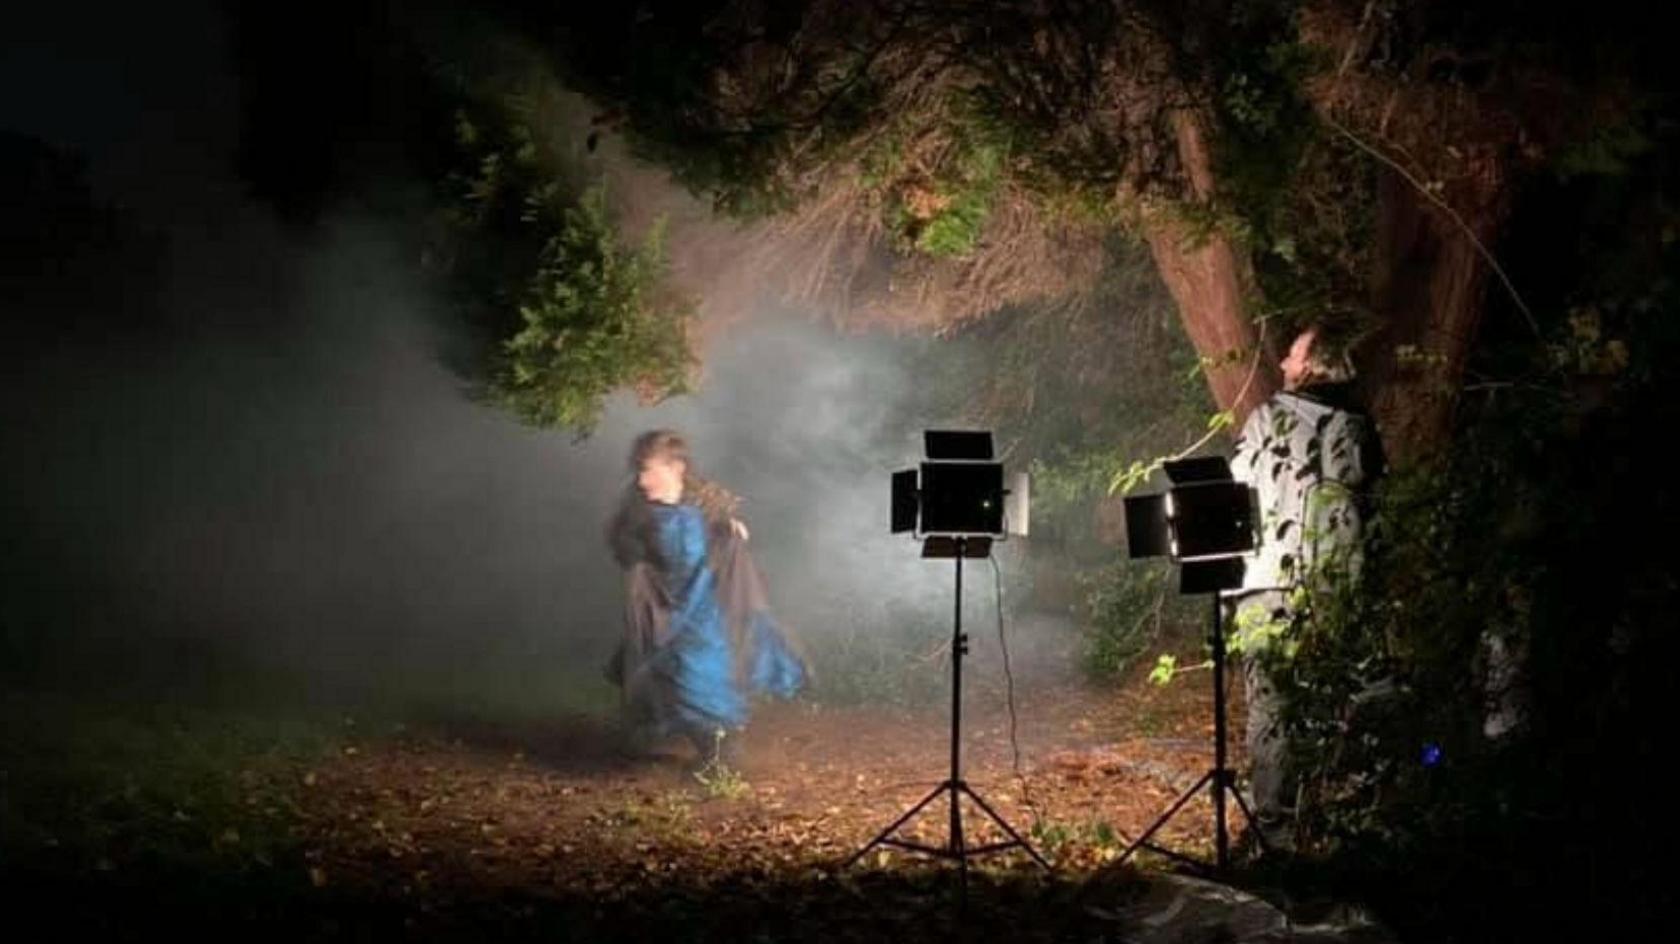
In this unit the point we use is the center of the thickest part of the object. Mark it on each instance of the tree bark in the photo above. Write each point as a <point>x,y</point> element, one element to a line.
<point>1209,278</point>
<point>1428,289</point>
<point>1465,142</point>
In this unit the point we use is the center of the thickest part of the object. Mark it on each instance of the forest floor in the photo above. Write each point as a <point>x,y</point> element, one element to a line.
<point>443,827</point>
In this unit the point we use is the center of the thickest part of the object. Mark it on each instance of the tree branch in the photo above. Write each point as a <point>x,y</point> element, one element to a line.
<point>1430,195</point>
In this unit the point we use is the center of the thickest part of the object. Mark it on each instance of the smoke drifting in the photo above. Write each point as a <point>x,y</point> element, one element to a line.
<point>301,482</point>
<point>276,477</point>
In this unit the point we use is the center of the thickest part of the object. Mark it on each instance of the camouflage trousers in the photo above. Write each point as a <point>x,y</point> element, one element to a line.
<point>1271,786</point>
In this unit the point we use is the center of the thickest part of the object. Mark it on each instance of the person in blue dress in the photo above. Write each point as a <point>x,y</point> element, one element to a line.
<point>699,639</point>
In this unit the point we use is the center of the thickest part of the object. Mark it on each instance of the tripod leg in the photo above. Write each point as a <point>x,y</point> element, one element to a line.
<point>1221,774</point>
<point>1002,824</point>
<point>1253,826</point>
<point>912,811</point>
<point>1155,827</point>
<point>958,847</point>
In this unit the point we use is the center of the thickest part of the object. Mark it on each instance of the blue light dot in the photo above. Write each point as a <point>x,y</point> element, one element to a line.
<point>1431,754</point>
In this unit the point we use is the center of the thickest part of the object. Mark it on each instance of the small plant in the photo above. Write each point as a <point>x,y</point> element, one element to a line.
<point>720,780</point>
<point>1051,837</point>
<point>1096,840</point>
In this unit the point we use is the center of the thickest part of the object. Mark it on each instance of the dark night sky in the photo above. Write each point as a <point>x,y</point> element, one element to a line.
<point>147,98</point>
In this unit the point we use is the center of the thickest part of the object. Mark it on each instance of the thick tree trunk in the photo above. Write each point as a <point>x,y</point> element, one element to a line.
<point>1466,142</point>
<point>1429,290</point>
<point>1208,279</point>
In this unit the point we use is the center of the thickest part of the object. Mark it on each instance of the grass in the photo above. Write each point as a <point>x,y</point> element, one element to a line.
<point>102,785</point>
<point>1093,842</point>
<point>722,782</point>
<point>665,818</point>
<point>211,776</point>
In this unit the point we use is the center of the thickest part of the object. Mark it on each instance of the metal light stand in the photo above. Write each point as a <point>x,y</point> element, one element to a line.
<point>956,848</point>
<point>1220,779</point>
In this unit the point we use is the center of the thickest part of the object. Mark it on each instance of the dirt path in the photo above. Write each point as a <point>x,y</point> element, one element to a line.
<point>466,810</point>
<point>457,828</point>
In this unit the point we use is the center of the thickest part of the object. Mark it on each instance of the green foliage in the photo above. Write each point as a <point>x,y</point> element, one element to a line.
<point>593,321</point>
<point>900,662</point>
<point>945,215</point>
<point>939,112</point>
<point>881,650</point>
<point>955,230</point>
<point>1519,539</point>
<point>571,314</point>
<point>1080,399</point>
<point>1255,632</point>
<point>1128,607</point>
<point>1095,840</point>
<point>718,778</point>
<point>96,786</point>
<point>1609,150</point>
<point>1301,200</point>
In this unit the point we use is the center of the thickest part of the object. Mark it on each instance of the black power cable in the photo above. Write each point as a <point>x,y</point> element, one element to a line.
<point>1009,697</point>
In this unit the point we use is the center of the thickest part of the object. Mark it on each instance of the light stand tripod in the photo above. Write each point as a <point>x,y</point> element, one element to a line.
<point>956,848</point>
<point>1220,779</point>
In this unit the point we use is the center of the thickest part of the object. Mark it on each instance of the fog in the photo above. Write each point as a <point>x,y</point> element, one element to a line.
<point>273,475</point>
<point>300,476</point>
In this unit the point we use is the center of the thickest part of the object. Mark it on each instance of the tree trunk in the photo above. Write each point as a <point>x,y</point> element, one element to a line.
<point>1467,142</point>
<point>1208,279</point>
<point>1428,289</point>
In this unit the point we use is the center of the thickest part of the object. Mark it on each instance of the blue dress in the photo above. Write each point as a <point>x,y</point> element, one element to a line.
<point>702,686</point>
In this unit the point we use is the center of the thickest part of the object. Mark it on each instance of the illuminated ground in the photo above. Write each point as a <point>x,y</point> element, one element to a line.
<point>449,826</point>
<point>555,803</point>
<point>471,813</point>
